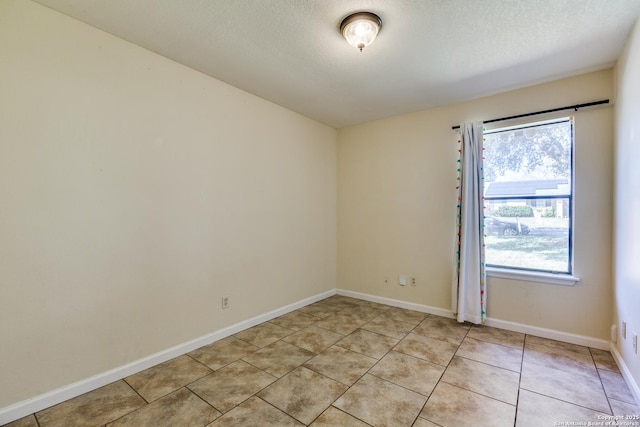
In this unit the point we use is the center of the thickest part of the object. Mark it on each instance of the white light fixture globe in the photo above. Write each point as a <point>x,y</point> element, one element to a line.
<point>360,29</point>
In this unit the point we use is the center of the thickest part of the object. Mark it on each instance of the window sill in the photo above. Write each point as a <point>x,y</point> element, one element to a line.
<point>533,276</point>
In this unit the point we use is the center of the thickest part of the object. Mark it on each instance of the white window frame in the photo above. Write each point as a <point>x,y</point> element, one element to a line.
<point>526,275</point>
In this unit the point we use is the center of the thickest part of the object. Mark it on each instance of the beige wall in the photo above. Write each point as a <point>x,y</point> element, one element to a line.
<point>627,201</point>
<point>396,208</point>
<point>135,194</point>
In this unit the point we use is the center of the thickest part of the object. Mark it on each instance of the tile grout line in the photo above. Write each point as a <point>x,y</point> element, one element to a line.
<point>368,370</point>
<point>361,376</point>
<point>186,386</point>
<point>374,365</point>
<point>487,364</point>
<point>442,375</point>
<point>604,390</point>
<point>36,418</point>
<point>286,413</point>
<point>524,346</point>
<point>560,399</point>
<point>302,365</point>
<point>565,401</point>
<point>128,413</point>
<point>202,399</point>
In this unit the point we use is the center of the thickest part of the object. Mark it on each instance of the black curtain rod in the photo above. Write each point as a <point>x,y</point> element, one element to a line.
<point>568,107</point>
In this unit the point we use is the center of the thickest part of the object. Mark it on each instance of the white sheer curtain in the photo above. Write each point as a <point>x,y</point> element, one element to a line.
<point>469,296</point>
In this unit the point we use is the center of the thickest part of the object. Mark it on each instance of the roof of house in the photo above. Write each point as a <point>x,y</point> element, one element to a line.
<point>544,187</point>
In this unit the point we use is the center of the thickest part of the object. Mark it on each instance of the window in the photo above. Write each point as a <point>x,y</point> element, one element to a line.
<point>528,194</point>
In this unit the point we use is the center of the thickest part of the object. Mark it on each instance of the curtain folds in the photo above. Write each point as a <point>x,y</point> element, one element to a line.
<point>469,296</point>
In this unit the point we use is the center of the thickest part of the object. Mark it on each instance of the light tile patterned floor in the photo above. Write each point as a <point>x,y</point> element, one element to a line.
<point>348,362</point>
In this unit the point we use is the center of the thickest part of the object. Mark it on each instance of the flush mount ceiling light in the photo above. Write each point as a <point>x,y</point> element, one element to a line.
<point>360,29</point>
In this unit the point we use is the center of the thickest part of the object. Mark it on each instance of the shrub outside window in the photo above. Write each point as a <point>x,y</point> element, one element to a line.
<point>528,215</point>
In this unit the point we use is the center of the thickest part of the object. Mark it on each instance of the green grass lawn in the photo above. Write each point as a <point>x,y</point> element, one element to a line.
<point>537,252</point>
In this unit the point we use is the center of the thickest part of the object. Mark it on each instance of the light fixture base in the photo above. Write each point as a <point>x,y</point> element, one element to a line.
<point>361,28</point>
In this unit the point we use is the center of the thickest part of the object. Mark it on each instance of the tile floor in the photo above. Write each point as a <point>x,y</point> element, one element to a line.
<point>348,362</point>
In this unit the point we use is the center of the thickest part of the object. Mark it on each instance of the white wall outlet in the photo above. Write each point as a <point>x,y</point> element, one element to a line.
<point>623,330</point>
<point>614,333</point>
<point>225,302</point>
<point>402,280</point>
<point>635,343</point>
<point>413,281</point>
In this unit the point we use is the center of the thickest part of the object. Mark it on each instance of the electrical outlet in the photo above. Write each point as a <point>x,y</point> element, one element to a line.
<point>623,330</point>
<point>413,281</point>
<point>225,302</point>
<point>402,280</point>
<point>386,280</point>
<point>635,343</point>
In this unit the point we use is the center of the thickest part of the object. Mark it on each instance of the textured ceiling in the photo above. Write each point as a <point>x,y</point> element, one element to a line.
<point>429,52</point>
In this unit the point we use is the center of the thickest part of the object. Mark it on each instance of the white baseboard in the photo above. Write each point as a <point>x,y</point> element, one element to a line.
<point>626,373</point>
<point>496,323</point>
<point>549,333</point>
<point>59,395</point>
<point>397,303</point>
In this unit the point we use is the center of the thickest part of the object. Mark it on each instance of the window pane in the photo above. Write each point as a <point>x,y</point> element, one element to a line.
<point>538,242</point>
<point>528,196</point>
<point>528,161</point>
